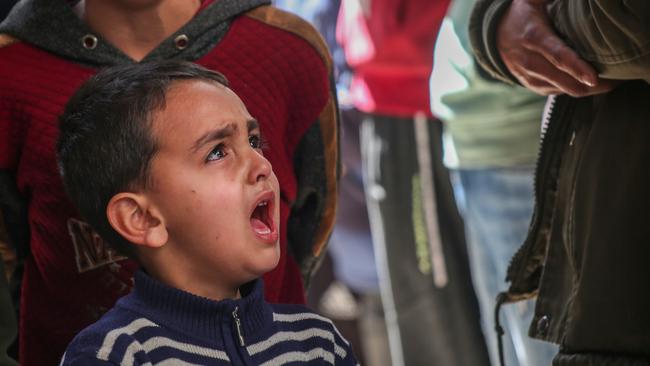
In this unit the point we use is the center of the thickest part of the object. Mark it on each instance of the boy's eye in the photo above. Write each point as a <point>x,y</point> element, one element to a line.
<point>255,141</point>
<point>217,153</point>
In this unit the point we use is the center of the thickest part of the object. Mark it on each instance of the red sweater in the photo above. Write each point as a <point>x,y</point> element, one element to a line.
<point>390,49</point>
<point>70,279</point>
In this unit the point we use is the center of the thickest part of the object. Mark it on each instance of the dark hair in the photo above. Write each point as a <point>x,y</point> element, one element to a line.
<point>105,144</point>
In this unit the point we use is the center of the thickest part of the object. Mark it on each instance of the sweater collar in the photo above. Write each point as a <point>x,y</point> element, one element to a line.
<point>195,315</point>
<point>53,26</point>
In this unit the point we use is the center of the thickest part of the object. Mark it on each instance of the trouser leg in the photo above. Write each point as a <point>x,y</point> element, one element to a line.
<point>430,307</point>
<point>497,212</point>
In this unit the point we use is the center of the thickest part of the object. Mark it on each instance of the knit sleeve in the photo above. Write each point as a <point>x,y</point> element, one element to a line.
<point>93,346</point>
<point>84,360</point>
<point>316,154</point>
<point>13,208</point>
<point>344,354</point>
<point>317,169</point>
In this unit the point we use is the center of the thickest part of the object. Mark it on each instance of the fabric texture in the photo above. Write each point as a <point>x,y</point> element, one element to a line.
<point>276,63</point>
<point>416,232</point>
<point>496,205</point>
<point>157,324</point>
<point>389,44</point>
<point>491,124</point>
<point>495,132</point>
<point>351,243</point>
<point>416,300</point>
<point>586,252</point>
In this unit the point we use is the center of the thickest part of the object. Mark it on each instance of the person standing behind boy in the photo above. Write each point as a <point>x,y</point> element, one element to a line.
<point>166,163</point>
<point>276,63</point>
<point>430,308</point>
<point>586,254</point>
<point>495,132</point>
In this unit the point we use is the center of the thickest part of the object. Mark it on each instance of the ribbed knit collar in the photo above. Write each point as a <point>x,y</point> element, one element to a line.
<point>198,316</point>
<point>53,26</point>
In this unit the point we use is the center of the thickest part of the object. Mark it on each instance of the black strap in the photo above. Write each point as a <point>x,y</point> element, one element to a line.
<point>501,299</point>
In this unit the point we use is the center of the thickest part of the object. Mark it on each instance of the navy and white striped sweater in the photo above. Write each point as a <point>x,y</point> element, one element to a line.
<point>160,325</point>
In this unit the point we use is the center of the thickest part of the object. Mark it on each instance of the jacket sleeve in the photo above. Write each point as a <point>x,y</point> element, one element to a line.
<point>611,35</point>
<point>483,24</point>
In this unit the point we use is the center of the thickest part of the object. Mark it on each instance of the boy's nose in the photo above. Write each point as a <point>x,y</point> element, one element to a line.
<point>260,167</point>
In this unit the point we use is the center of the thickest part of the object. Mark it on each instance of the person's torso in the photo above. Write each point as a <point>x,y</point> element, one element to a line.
<point>589,234</point>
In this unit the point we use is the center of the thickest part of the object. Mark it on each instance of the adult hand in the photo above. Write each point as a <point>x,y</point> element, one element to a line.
<point>538,58</point>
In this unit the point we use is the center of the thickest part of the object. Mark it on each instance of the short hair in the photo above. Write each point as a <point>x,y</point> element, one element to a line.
<point>105,144</point>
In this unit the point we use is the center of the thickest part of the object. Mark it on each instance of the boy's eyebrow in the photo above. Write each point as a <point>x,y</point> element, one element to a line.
<point>213,135</point>
<point>221,133</point>
<point>252,124</point>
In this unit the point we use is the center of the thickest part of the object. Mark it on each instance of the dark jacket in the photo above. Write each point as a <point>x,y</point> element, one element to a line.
<point>587,254</point>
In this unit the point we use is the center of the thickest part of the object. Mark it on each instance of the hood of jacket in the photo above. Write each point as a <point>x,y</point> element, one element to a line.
<point>53,26</point>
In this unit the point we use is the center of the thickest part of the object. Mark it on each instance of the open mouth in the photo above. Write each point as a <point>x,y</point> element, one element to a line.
<point>261,218</point>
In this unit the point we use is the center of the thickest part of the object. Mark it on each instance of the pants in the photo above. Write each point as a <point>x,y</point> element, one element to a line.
<point>431,311</point>
<point>497,205</point>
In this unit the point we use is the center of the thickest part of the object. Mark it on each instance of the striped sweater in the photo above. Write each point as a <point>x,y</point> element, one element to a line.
<point>160,325</point>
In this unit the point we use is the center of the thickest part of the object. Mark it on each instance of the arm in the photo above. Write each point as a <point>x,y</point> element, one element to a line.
<point>613,36</point>
<point>14,226</point>
<point>515,42</point>
<point>316,154</point>
<point>343,354</point>
<point>85,360</point>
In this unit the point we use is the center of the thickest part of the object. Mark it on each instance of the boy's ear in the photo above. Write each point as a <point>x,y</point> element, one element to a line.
<point>133,217</point>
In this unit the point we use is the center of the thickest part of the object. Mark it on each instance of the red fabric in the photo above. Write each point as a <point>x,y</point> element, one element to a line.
<point>284,84</point>
<point>390,48</point>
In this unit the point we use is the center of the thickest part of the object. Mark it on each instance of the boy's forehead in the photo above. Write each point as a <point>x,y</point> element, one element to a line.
<point>196,105</point>
<point>198,87</point>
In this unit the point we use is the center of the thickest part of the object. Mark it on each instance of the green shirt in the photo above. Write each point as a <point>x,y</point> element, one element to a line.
<point>491,124</point>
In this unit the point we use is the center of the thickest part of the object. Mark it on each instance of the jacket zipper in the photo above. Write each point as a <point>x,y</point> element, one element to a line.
<point>551,139</point>
<point>517,265</point>
<point>235,316</point>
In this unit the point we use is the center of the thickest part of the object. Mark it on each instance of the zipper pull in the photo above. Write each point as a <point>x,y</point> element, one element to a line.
<point>235,316</point>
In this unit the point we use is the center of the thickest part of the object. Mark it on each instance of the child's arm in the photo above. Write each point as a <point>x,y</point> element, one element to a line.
<point>85,359</point>
<point>344,355</point>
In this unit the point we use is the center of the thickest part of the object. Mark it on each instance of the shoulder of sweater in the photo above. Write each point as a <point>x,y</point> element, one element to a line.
<point>294,24</point>
<point>6,40</point>
<point>294,315</point>
<point>99,339</point>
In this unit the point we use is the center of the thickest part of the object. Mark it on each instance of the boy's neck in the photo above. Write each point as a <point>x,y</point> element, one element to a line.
<point>193,284</point>
<point>136,27</point>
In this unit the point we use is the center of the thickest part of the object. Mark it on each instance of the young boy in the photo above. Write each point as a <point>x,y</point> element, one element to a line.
<point>165,163</point>
<point>275,62</point>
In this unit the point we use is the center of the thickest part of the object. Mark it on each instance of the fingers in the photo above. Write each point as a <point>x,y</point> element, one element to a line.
<point>539,75</point>
<point>547,44</point>
<point>540,68</point>
<point>538,58</point>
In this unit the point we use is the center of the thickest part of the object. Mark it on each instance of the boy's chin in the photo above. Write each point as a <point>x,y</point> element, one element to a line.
<point>270,262</point>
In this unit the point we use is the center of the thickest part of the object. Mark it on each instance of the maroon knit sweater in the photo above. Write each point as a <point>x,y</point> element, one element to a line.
<point>276,64</point>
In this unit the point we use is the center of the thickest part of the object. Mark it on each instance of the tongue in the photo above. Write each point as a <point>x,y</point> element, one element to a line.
<point>259,226</point>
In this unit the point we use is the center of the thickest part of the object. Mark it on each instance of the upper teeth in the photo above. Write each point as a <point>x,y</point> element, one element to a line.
<point>264,203</point>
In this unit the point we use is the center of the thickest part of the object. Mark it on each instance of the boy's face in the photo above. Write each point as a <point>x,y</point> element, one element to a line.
<point>217,193</point>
